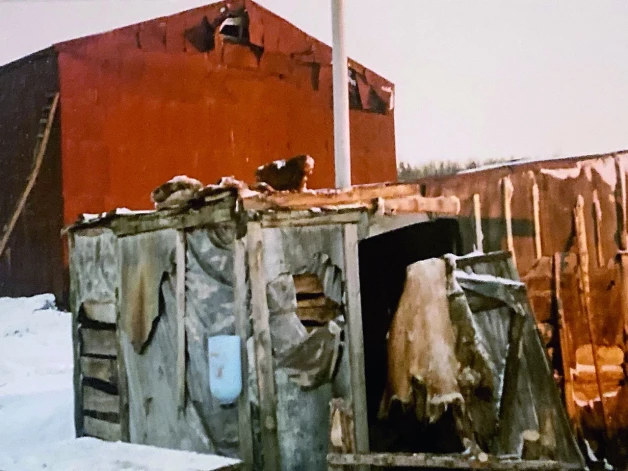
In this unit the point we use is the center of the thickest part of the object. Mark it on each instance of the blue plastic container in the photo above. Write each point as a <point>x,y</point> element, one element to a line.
<point>225,368</point>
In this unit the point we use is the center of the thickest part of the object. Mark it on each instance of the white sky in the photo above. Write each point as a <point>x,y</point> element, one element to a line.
<point>475,78</point>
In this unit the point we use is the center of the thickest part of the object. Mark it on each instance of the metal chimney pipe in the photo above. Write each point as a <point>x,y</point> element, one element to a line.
<point>342,142</point>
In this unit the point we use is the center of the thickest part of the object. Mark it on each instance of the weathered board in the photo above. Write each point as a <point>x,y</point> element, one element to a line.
<point>101,429</point>
<point>100,401</point>
<point>98,342</point>
<point>102,369</point>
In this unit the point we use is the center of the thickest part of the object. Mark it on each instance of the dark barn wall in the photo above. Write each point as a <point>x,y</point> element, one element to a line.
<point>32,262</point>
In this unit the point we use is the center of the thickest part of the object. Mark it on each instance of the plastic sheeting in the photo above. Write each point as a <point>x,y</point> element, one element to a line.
<point>95,269</point>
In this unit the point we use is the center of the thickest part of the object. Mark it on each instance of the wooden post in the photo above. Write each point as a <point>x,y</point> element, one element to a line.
<point>620,201</point>
<point>507,192</point>
<point>180,297</point>
<point>585,294</point>
<point>355,337</point>
<point>565,344</point>
<point>597,211</point>
<point>76,343</point>
<point>537,219</point>
<point>123,383</point>
<point>622,236</point>
<point>240,310</point>
<point>507,407</point>
<point>477,213</point>
<point>263,349</point>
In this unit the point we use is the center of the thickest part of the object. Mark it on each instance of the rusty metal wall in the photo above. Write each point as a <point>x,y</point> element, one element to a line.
<point>32,261</point>
<point>142,104</point>
<point>598,179</point>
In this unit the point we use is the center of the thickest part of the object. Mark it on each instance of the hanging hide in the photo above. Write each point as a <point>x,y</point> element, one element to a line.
<point>422,365</point>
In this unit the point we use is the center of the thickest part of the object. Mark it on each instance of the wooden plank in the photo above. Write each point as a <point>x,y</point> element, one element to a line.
<point>219,213</point>
<point>102,369</point>
<point>474,259</point>
<point>355,337</point>
<point>620,201</point>
<point>180,247</point>
<point>536,211</point>
<point>40,152</point>
<point>420,204</point>
<point>507,406</point>
<point>98,342</point>
<point>123,386</point>
<point>241,313</point>
<point>310,218</point>
<point>477,216</point>
<point>597,223</point>
<point>102,429</point>
<point>100,401</point>
<point>584,291</point>
<point>100,312</point>
<point>263,349</point>
<point>565,344</point>
<point>76,345</point>
<point>308,283</point>
<point>507,193</point>
<point>352,195</point>
<point>448,461</point>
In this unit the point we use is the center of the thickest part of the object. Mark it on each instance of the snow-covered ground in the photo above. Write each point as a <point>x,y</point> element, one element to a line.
<point>36,398</point>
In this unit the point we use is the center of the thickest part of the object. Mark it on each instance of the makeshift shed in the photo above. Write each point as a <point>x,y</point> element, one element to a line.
<point>213,91</point>
<point>294,276</point>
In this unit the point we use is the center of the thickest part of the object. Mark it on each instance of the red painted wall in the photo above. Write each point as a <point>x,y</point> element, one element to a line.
<point>141,104</point>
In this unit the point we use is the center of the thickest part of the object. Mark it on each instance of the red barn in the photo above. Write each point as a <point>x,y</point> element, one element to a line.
<point>218,90</point>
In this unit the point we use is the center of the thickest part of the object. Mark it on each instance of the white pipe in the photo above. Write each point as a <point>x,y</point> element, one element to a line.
<point>342,142</point>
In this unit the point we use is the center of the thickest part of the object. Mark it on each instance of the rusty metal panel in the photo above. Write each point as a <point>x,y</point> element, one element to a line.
<point>142,104</point>
<point>32,261</point>
<point>597,179</point>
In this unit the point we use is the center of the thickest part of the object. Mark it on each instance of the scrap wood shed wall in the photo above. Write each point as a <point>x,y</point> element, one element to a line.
<point>565,223</point>
<point>149,290</point>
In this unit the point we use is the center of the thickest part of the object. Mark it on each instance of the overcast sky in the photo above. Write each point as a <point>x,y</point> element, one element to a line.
<point>475,78</point>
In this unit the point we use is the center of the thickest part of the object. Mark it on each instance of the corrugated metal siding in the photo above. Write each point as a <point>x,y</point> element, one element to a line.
<point>141,105</point>
<point>32,262</point>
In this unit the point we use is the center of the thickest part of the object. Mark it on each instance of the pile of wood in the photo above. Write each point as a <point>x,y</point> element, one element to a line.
<point>282,184</point>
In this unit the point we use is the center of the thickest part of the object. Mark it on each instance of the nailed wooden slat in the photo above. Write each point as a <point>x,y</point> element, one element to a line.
<point>100,312</point>
<point>100,401</point>
<point>507,193</point>
<point>477,216</point>
<point>536,211</point>
<point>76,343</point>
<point>473,259</point>
<point>103,369</point>
<point>565,344</point>
<point>241,313</point>
<point>308,283</point>
<point>353,195</point>
<point>355,337</point>
<point>449,461</point>
<point>98,342</point>
<point>507,406</point>
<point>102,429</point>
<point>597,223</point>
<point>207,215</point>
<point>620,201</point>
<point>584,291</point>
<point>263,349</point>
<point>421,204</point>
<point>123,385</point>
<point>180,247</point>
<point>310,218</point>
